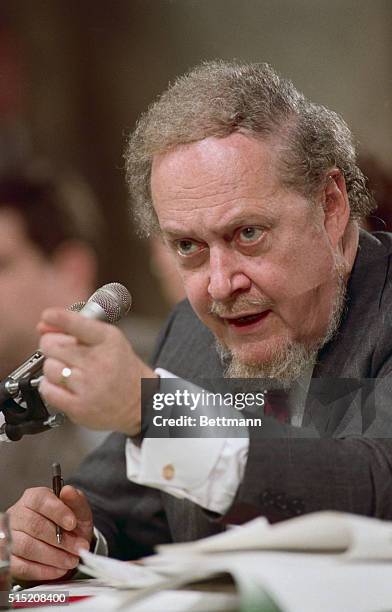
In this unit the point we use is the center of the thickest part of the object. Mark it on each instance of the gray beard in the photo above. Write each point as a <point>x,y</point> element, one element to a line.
<point>292,360</point>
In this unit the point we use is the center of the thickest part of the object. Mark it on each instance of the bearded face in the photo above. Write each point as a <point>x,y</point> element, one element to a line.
<point>261,264</point>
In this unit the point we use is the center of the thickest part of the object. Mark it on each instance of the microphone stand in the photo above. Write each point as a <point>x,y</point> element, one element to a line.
<point>31,419</point>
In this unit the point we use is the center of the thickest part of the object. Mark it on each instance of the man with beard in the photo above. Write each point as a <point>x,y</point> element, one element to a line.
<point>256,192</point>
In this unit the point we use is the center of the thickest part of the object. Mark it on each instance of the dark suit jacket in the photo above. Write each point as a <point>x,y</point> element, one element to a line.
<point>341,459</point>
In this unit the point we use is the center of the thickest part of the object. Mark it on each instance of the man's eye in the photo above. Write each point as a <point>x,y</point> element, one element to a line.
<point>186,247</point>
<point>250,234</point>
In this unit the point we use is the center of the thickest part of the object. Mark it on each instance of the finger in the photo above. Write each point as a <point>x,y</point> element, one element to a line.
<point>78,503</point>
<point>42,328</point>
<point>53,372</point>
<point>43,502</point>
<point>85,330</point>
<point>63,348</point>
<point>27,547</point>
<point>42,529</point>
<point>60,339</point>
<point>22,569</point>
<point>58,396</point>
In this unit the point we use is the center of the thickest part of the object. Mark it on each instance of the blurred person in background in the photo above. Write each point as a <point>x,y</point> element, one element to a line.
<point>50,230</point>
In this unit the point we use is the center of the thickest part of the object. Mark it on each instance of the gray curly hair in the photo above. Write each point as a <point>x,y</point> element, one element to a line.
<point>218,98</point>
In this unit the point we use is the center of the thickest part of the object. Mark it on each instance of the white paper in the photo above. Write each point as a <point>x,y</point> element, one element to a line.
<point>331,532</point>
<point>117,573</point>
<point>334,571</point>
<point>315,582</point>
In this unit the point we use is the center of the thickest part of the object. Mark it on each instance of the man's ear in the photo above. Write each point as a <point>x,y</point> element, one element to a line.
<point>336,206</point>
<point>76,265</point>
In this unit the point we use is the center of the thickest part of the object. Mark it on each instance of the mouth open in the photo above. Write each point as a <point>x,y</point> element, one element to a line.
<point>248,320</point>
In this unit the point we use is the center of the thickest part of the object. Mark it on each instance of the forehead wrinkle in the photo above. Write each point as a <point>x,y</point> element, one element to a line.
<point>209,186</point>
<point>196,167</point>
<point>194,179</point>
<point>252,193</point>
<point>226,222</point>
<point>186,211</point>
<point>263,202</point>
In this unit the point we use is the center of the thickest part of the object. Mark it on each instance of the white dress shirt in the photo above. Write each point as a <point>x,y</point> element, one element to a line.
<point>207,471</point>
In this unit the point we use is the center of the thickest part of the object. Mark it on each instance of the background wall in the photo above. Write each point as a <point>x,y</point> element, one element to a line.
<point>75,75</point>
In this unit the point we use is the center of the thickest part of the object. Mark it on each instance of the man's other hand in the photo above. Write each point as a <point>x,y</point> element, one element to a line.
<point>36,554</point>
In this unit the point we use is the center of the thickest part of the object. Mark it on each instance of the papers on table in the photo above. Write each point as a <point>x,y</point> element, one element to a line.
<point>330,532</point>
<point>117,573</point>
<point>322,561</point>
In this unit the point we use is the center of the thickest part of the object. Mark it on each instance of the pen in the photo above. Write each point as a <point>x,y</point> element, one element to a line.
<point>57,485</point>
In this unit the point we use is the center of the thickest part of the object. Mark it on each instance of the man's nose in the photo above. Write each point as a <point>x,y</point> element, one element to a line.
<point>226,274</point>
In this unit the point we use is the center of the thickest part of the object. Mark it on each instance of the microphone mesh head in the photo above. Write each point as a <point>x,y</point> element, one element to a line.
<point>114,299</point>
<point>76,306</point>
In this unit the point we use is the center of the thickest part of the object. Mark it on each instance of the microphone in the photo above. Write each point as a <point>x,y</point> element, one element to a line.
<point>108,303</point>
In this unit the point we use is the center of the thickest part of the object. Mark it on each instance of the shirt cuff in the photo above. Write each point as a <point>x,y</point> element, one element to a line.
<point>101,545</point>
<point>206,471</point>
<point>164,373</point>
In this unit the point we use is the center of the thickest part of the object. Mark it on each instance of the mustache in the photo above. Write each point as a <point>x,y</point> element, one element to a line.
<point>238,305</point>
